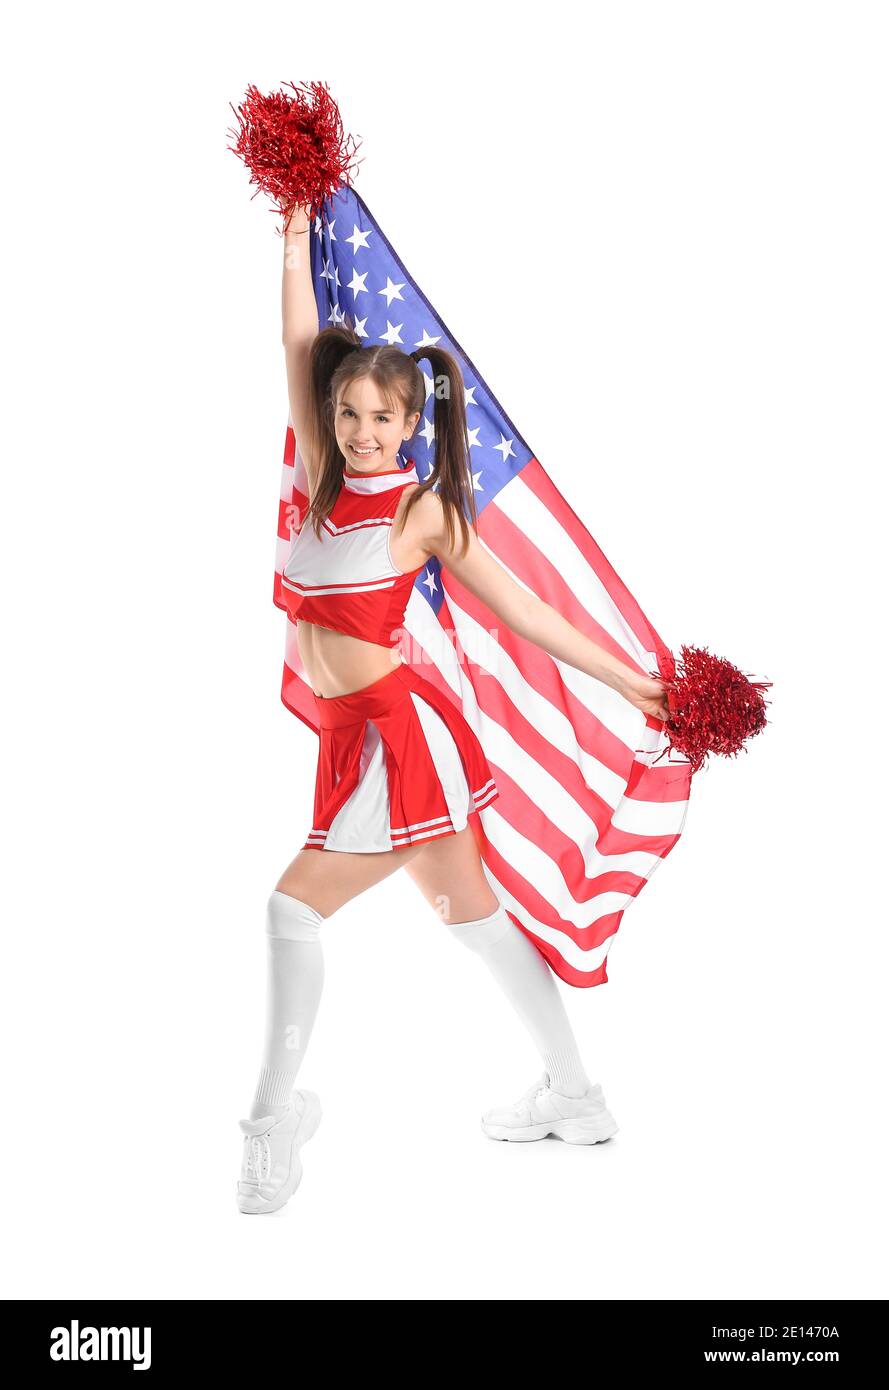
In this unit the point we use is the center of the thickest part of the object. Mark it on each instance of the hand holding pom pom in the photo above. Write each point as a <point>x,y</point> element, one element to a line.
<point>294,146</point>
<point>712,706</point>
<point>650,696</point>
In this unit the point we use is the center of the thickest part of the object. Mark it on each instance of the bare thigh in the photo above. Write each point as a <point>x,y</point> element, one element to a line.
<point>327,879</point>
<point>449,874</point>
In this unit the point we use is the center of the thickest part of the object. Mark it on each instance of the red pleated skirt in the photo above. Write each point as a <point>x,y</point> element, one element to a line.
<point>397,764</point>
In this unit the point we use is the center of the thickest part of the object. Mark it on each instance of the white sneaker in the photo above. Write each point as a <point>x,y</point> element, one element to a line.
<point>542,1111</point>
<point>270,1165</point>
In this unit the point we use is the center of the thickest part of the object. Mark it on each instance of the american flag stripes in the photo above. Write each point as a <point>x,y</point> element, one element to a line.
<point>591,799</point>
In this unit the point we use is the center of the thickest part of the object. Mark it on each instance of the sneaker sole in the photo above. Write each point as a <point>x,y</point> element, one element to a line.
<point>311,1119</point>
<point>594,1129</point>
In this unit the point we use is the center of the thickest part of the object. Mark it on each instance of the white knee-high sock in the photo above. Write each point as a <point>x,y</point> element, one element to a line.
<point>530,986</point>
<point>295,980</point>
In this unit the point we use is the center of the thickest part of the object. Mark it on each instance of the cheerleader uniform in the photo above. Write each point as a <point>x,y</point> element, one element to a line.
<point>397,762</point>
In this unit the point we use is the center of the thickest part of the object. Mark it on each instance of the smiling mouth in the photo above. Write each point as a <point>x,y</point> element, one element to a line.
<point>362,453</point>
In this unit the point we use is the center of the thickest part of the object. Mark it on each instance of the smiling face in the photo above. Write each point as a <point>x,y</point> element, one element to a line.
<point>369,431</point>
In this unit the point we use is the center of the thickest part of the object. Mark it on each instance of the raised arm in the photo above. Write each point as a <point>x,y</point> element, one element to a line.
<point>299,315</point>
<point>526,614</point>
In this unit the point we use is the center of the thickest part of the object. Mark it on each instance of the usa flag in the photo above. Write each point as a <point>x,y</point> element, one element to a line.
<point>592,799</point>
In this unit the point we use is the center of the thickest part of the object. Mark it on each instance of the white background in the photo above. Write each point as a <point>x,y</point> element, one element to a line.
<point>701,369</point>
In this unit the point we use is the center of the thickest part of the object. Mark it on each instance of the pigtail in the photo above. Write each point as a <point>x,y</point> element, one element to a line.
<point>451,472</point>
<point>329,351</point>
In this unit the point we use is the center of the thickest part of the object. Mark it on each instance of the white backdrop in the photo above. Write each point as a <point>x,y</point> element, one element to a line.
<point>704,378</point>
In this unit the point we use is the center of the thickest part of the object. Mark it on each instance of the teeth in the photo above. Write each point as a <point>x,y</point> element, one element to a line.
<point>363,453</point>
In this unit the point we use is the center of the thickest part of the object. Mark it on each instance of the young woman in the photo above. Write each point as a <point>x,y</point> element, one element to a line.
<point>399,768</point>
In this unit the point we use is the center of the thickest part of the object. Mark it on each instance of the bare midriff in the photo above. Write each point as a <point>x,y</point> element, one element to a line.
<point>338,664</point>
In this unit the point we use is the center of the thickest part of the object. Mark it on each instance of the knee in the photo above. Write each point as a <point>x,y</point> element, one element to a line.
<point>290,919</point>
<point>483,932</point>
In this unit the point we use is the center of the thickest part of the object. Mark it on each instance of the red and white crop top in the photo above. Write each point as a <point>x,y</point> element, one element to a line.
<point>346,579</point>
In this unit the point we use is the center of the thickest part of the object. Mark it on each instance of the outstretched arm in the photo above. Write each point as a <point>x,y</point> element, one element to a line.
<point>299,328</point>
<point>528,616</point>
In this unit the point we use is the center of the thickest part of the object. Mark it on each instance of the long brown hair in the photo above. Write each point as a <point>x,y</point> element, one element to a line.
<point>336,360</point>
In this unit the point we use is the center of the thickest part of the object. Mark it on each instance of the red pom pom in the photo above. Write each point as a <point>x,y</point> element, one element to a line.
<point>294,145</point>
<point>714,707</point>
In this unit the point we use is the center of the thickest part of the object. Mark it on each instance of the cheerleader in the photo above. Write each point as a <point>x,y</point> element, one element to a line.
<point>399,769</point>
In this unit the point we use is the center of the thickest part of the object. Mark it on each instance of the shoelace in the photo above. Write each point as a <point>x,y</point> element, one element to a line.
<point>257,1159</point>
<point>526,1099</point>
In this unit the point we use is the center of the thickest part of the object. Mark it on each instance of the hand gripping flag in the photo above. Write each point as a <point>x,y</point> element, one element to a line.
<point>591,797</point>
